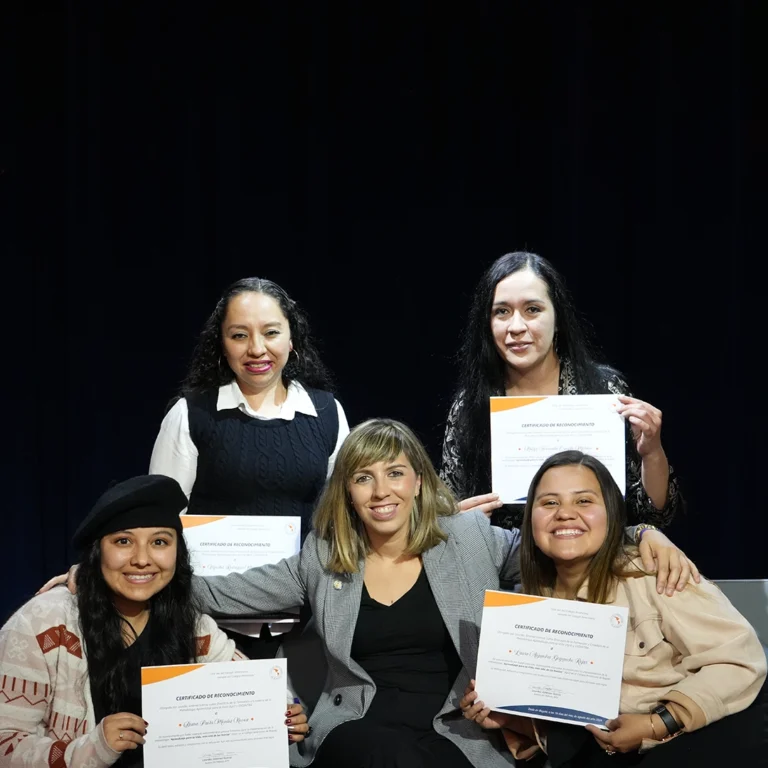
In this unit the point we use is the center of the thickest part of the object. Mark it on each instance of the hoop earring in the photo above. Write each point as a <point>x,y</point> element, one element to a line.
<point>298,356</point>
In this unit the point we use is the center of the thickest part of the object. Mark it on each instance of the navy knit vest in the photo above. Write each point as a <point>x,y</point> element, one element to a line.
<point>248,466</point>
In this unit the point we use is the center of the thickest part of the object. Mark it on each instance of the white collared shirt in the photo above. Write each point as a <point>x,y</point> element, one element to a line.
<point>175,453</point>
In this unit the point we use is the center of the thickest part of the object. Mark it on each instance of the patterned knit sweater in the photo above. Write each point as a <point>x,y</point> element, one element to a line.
<point>46,710</point>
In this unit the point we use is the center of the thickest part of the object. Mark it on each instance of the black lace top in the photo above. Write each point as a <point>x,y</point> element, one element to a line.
<point>640,508</point>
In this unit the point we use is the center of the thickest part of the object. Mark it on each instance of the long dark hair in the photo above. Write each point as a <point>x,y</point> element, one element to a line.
<point>174,621</point>
<point>609,562</point>
<point>482,372</point>
<point>208,368</point>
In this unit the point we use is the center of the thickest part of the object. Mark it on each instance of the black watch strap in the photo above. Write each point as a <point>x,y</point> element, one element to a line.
<point>669,721</point>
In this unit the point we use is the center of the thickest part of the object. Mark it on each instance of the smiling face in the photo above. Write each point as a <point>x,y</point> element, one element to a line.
<point>137,564</point>
<point>256,341</point>
<point>383,495</point>
<point>523,321</point>
<point>568,518</point>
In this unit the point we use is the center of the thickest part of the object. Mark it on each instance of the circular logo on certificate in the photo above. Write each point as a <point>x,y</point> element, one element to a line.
<point>290,528</point>
<point>275,672</point>
<point>616,620</point>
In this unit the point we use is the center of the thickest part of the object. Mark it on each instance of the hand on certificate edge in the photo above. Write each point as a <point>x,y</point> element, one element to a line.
<point>473,709</point>
<point>625,733</point>
<point>296,722</point>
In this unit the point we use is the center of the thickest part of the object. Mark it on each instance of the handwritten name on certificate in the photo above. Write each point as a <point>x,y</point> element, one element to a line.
<point>527,430</point>
<point>225,713</point>
<point>223,544</point>
<point>551,659</point>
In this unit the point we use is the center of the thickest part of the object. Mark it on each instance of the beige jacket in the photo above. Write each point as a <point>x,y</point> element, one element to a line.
<point>693,652</point>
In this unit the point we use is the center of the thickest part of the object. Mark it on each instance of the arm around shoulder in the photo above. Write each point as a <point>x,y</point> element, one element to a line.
<point>275,587</point>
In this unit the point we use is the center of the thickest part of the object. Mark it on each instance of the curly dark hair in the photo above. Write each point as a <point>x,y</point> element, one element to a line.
<point>483,371</point>
<point>208,369</point>
<point>174,622</point>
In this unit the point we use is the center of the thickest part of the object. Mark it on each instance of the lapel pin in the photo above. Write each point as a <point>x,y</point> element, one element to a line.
<point>337,584</point>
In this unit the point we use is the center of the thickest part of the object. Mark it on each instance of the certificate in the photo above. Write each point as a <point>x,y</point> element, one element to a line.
<point>527,430</point>
<point>224,544</point>
<point>551,659</point>
<point>220,714</point>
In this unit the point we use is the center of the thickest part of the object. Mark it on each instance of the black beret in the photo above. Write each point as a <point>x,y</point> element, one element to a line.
<point>141,502</point>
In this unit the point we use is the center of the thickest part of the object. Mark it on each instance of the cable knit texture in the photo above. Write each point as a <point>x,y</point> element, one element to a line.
<point>252,466</point>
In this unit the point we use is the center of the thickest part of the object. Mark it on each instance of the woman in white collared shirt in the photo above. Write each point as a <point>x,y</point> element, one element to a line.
<point>255,430</point>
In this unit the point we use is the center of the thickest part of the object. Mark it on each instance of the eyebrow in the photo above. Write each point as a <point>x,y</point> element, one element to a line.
<point>573,493</point>
<point>271,323</point>
<point>524,301</point>
<point>159,530</point>
<point>391,466</point>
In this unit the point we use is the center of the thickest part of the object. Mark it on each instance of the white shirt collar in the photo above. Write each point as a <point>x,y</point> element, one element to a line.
<point>297,401</point>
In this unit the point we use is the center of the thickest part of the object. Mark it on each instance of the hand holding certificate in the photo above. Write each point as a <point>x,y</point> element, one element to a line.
<point>527,430</point>
<point>216,714</point>
<point>552,659</point>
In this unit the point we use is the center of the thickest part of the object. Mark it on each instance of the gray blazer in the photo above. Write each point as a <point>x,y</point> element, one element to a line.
<point>459,571</point>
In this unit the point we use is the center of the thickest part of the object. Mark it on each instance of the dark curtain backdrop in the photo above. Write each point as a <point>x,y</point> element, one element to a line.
<point>374,158</point>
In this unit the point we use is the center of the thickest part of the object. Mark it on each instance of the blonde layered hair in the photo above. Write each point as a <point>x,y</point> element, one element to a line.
<point>335,519</point>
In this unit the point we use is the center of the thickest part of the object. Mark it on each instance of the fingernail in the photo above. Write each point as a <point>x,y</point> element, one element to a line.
<point>288,713</point>
<point>296,700</point>
<point>288,721</point>
<point>291,727</point>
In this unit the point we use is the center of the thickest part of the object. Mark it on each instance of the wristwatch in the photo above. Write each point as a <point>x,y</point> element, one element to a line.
<point>669,721</point>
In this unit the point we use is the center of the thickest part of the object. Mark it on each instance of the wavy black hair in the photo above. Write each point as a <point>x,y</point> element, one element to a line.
<point>174,622</point>
<point>208,369</point>
<point>483,369</point>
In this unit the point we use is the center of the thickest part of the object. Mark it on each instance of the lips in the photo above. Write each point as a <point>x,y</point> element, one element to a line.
<point>519,347</point>
<point>383,512</point>
<point>568,533</point>
<point>139,578</point>
<point>262,366</point>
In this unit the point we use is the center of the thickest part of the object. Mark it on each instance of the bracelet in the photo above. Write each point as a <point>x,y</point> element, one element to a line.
<point>668,719</point>
<point>653,727</point>
<point>641,529</point>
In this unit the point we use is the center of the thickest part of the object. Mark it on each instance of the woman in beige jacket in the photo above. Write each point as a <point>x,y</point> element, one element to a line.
<point>694,668</point>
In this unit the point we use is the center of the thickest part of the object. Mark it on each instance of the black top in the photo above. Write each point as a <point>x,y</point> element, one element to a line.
<point>406,645</point>
<point>137,653</point>
<point>248,466</point>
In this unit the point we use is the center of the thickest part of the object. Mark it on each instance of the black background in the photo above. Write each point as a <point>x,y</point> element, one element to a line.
<point>374,158</point>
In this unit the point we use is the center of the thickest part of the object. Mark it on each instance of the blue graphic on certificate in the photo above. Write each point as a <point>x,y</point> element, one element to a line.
<point>551,659</point>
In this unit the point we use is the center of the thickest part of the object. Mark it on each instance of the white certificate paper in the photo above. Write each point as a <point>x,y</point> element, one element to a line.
<point>221,714</point>
<point>551,659</point>
<point>223,544</point>
<point>527,430</point>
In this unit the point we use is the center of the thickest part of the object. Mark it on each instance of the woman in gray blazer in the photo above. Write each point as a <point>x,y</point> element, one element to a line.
<point>396,581</point>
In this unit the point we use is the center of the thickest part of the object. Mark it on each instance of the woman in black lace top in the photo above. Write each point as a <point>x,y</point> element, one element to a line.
<point>524,337</point>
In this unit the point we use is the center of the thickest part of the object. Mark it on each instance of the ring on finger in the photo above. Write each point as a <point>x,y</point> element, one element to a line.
<point>610,751</point>
<point>120,735</point>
